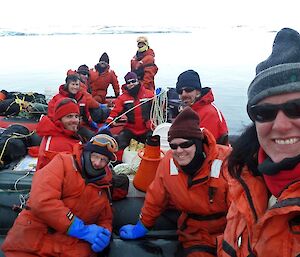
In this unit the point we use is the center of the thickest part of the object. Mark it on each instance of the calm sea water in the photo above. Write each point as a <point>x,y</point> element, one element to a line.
<point>225,60</point>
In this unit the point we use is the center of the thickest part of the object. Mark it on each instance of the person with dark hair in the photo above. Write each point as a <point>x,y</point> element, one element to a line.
<point>69,210</point>
<point>191,176</point>
<point>99,112</point>
<point>71,89</point>
<point>143,63</point>
<point>101,78</point>
<point>201,100</point>
<point>263,218</point>
<point>136,102</point>
<point>60,133</point>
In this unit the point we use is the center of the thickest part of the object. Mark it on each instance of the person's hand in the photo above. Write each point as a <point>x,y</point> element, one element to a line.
<point>93,125</point>
<point>105,126</point>
<point>158,90</point>
<point>88,233</point>
<point>102,106</point>
<point>101,241</point>
<point>133,231</point>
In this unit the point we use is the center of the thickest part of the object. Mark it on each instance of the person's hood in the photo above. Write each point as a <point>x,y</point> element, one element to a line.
<point>207,96</point>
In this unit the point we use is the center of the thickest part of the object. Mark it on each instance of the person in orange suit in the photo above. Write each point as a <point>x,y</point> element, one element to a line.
<point>101,78</point>
<point>69,209</point>
<point>193,177</point>
<point>71,89</point>
<point>60,133</point>
<point>143,64</point>
<point>264,166</point>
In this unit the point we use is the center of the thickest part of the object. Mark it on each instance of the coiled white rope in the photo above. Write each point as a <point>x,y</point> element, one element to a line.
<point>158,112</point>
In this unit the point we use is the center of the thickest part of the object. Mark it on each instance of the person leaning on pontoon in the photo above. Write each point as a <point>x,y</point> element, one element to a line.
<point>60,133</point>
<point>263,219</point>
<point>191,176</point>
<point>138,100</point>
<point>201,100</point>
<point>68,212</point>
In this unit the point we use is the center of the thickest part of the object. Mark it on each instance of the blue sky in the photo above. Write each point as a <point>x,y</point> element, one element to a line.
<point>39,13</point>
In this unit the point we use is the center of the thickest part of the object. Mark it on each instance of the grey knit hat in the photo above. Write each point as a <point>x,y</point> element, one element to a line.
<point>280,72</point>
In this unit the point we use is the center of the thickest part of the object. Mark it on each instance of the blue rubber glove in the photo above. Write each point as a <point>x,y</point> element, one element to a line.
<point>158,91</point>
<point>93,125</point>
<point>133,231</point>
<point>101,241</point>
<point>102,106</point>
<point>85,232</point>
<point>105,126</point>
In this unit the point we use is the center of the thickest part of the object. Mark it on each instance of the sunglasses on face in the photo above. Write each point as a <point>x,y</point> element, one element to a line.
<point>186,89</point>
<point>105,140</point>
<point>268,112</point>
<point>182,145</point>
<point>132,81</point>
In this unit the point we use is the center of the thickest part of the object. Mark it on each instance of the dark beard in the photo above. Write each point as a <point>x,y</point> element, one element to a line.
<point>134,91</point>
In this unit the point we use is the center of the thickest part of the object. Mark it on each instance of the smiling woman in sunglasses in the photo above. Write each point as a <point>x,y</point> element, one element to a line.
<point>192,177</point>
<point>69,211</point>
<point>201,100</point>
<point>263,219</point>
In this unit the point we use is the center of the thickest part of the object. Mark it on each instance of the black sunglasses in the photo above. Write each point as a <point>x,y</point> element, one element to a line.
<point>132,81</point>
<point>268,112</point>
<point>186,89</point>
<point>185,144</point>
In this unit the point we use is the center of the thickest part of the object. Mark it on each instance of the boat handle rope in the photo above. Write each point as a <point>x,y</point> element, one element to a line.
<point>13,136</point>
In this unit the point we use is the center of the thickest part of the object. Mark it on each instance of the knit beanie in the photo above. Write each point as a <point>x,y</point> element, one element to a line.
<point>92,146</point>
<point>189,78</point>
<point>64,107</point>
<point>83,69</point>
<point>130,75</point>
<point>142,39</point>
<point>104,58</point>
<point>280,72</point>
<point>186,125</point>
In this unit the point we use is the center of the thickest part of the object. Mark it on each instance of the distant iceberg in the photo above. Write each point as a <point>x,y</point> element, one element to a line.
<point>90,30</point>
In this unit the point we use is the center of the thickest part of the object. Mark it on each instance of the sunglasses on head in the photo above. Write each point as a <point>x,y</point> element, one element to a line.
<point>182,145</point>
<point>105,140</point>
<point>268,112</point>
<point>186,89</point>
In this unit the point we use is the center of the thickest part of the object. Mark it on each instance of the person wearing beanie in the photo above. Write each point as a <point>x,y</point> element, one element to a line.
<point>201,100</point>
<point>69,208</point>
<point>138,100</point>
<point>104,58</point>
<point>83,69</point>
<point>143,63</point>
<point>191,176</point>
<point>101,78</point>
<point>71,89</point>
<point>265,162</point>
<point>59,134</point>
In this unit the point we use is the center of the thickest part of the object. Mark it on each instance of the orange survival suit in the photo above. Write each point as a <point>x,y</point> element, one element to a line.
<point>143,64</point>
<point>202,198</point>
<point>253,228</point>
<point>58,193</point>
<point>100,82</point>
